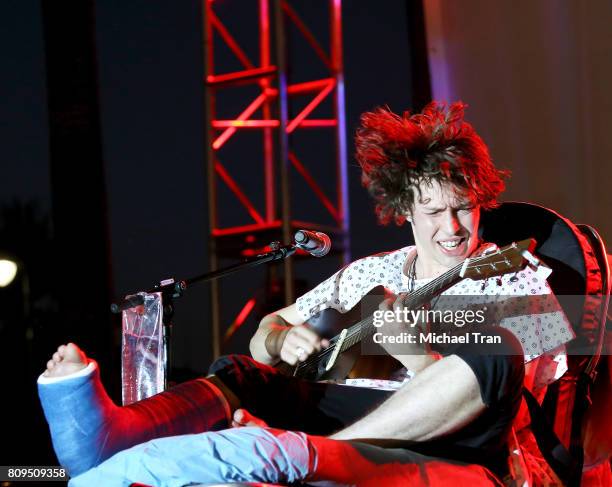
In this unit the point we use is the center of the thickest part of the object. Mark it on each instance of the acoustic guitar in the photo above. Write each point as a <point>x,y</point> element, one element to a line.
<point>346,331</point>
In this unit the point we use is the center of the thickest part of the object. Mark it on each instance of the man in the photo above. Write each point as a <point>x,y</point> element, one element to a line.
<point>450,421</point>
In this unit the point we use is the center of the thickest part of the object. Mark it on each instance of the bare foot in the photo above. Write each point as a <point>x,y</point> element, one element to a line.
<point>67,360</point>
<point>242,417</point>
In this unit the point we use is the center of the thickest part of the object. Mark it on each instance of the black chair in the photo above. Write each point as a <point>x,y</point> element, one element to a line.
<point>581,280</point>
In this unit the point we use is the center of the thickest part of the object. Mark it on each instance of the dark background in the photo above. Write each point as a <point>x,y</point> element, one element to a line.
<point>103,189</point>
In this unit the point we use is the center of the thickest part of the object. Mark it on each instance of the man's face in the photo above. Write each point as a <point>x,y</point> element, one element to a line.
<point>445,227</point>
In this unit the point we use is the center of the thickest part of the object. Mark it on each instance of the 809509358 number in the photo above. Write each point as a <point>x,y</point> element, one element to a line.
<point>8,473</point>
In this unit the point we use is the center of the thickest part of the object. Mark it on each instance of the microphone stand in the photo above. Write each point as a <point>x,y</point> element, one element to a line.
<point>171,289</point>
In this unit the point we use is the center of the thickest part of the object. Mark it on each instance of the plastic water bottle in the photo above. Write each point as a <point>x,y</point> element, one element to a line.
<point>142,351</point>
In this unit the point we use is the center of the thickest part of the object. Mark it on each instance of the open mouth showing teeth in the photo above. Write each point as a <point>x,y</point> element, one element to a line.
<point>451,244</point>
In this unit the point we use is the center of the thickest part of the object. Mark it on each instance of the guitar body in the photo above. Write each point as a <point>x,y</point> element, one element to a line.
<point>350,363</point>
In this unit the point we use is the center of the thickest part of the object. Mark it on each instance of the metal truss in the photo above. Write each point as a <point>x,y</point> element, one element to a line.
<point>268,113</point>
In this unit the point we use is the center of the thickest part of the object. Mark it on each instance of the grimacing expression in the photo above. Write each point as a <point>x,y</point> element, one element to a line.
<point>445,227</point>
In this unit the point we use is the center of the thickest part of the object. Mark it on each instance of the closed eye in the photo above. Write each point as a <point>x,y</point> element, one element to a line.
<point>433,211</point>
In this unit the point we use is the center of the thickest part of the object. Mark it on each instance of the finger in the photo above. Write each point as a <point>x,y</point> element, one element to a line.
<point>302,345</point>
<point>288,357</point>
<point>296,341</point>
<point>50,364</point>
<point>298,353</point>
<point>307,334</point>
<point>56,357</point>
<point>312,337</point>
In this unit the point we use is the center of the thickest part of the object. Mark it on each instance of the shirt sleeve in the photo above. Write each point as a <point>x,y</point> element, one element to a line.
<point>345,288</point>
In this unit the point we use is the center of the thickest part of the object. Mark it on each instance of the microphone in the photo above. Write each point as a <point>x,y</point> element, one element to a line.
<point>316,244</point>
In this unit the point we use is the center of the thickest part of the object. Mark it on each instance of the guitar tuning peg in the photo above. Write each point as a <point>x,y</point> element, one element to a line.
<point>484,284</point>
<point>514,278</point>
<point>498,281</point>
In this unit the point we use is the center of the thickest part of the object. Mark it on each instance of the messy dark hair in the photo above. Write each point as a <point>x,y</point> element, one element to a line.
<point>398,153</point>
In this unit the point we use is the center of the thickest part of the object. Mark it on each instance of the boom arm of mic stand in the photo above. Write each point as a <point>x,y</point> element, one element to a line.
<point>176,288</point>
<point>280,253</point>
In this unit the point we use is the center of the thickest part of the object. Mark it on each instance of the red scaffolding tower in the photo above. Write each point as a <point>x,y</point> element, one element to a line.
<point>273,110</point>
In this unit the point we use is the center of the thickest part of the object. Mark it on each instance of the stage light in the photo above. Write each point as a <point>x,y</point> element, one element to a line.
<point>8,271</point>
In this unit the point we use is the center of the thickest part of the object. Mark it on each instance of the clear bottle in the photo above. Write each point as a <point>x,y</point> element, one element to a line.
<point>142,351</point>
